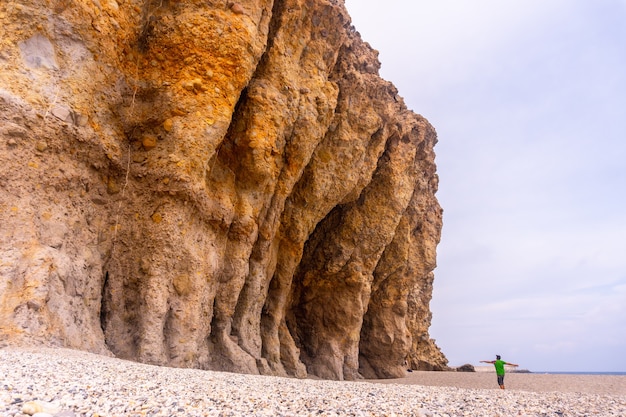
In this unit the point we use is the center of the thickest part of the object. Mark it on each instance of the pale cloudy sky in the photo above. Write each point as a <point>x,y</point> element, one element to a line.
<point>529,101</point>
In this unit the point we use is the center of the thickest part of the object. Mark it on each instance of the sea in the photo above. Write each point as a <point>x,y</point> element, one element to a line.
<point>577,373</point>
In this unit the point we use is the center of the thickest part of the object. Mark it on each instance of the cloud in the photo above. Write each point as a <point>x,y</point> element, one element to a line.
<point>528,100</point>
<point>446,41</point>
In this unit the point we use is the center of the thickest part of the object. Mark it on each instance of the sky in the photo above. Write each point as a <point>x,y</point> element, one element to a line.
<point>528,98</point>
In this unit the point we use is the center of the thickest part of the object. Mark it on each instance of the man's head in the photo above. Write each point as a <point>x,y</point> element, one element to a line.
<point>498,357</point>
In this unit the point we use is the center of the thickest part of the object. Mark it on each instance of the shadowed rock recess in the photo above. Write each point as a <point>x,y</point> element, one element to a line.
<point>226,186</point>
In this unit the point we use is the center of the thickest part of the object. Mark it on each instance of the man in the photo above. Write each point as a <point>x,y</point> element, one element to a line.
<point>499,364</point>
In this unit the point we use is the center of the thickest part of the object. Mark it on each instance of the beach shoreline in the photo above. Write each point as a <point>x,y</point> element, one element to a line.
<point>532,382</point>
<point>75,383</point>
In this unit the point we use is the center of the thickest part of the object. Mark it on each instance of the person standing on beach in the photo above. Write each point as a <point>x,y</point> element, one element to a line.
<point>499,364</point>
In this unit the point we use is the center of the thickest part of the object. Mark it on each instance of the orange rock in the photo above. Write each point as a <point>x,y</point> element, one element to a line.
<point>237,8</point>
<point>149,142</point>
<point>286,224</point>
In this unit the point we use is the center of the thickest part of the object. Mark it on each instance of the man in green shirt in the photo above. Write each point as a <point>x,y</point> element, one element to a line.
<point>499,364</point>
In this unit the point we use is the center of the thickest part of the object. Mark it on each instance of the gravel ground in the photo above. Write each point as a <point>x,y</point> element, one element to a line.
<point>64,383</point>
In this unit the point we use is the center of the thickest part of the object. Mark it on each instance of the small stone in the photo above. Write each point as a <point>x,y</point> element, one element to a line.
<point>81,120</point>
<point>182,284</point>
<point>33,305</point>
<point>197,85</point>
<point>237,8</point>
<point>62,113</point>
<point>149,142</point>
<point>35,407</point>
<point>15,131</point>
<point>168,124</point>
<point>38,52</point>
<point>99,201</point>
<point>41,146</point>
<point>112,187</point>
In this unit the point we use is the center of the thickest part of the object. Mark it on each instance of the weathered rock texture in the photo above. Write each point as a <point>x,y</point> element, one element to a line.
<point>210,184</point>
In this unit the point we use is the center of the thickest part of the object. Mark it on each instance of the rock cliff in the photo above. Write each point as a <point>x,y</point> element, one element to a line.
<point>211,184</point>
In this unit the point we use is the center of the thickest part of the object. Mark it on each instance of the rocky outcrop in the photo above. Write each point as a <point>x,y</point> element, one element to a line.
<point>216,185</point>
<point>466,368</point>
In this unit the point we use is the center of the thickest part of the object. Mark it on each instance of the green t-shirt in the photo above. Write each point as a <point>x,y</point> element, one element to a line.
<point>499,364</point>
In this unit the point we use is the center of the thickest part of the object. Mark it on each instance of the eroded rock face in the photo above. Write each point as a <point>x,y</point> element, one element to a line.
<point>211,184</point>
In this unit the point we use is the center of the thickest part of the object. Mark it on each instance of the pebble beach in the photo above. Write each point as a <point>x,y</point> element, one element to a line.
<point>45,382</point>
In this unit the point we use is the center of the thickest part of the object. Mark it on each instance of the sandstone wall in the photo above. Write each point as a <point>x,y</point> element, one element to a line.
<point>212,184</point>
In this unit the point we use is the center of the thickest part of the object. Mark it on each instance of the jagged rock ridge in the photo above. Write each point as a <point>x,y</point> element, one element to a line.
<point>218,185</point>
